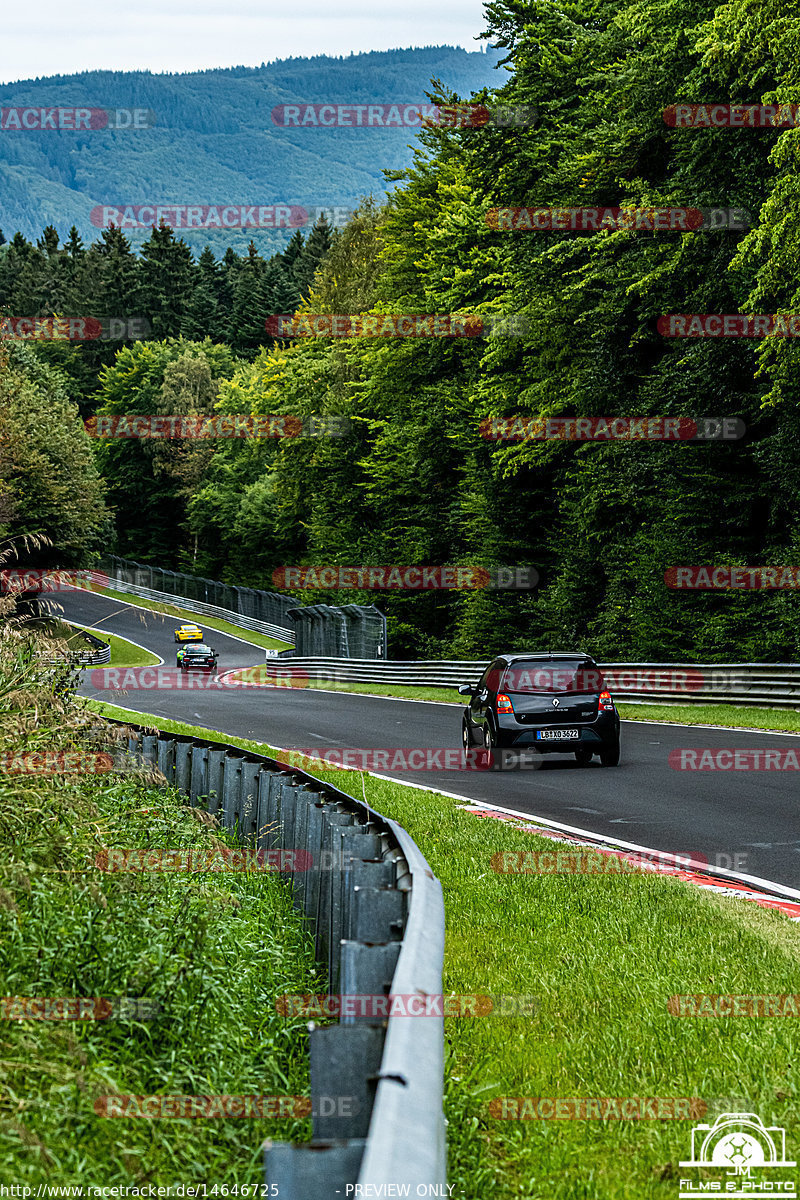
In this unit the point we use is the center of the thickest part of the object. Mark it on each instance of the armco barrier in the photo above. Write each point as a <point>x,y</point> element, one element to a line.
<point>764,685</point>
<point>78,658</point>
<point>379,928</point>
<point>119,584</point>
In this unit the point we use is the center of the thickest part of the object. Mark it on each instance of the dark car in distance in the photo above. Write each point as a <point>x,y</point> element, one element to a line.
<point>555,703</point>
<point>197,656</point>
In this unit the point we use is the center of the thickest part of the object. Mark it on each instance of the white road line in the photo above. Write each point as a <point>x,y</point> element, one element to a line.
<point>727,728</point>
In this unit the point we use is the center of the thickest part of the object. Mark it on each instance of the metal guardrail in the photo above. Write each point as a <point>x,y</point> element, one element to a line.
<point>378,917</point>
<point>762,685</point>
<point>78,658</point>
<point>198,606</point>
<point>268,608</point>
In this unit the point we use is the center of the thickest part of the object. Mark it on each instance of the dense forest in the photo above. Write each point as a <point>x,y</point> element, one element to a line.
<point>414,482</point>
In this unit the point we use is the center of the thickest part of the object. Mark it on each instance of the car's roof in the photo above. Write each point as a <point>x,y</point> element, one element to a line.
<point>188,626</point>
<point>198,648</point>
<point>541,656</point>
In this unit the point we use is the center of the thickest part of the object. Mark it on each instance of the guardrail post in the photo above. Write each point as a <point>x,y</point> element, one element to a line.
<point>312,1172</point>
<point>183,760</point>
<point>316,822</point>
<point>199,777</point>
<point>216,777</point>
<point>329,880</point>
<point>338,1053</point>
<point>149,748</point>
<point>248,810</point>
<point>366,971</point>
<point>231,791</point>
<point>166,759</point>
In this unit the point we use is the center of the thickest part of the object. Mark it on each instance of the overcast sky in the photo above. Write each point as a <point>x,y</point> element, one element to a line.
<point>53,38</point>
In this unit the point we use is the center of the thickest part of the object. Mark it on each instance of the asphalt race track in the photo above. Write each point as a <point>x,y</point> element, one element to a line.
<point>716,813</point>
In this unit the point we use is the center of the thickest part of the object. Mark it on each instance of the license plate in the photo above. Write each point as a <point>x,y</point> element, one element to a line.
<point>552,735</point>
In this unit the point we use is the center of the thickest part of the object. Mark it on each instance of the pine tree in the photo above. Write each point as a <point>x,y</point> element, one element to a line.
<point>168,272</point>
<point>248,331</point>
<point>202,318</point>
<point>310,258</point>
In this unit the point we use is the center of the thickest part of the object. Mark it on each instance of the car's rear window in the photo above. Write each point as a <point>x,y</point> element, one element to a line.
<point>561,675</point>
<point>198,649</point>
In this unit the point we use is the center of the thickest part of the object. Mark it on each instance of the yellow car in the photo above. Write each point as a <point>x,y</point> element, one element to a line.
<point>189,633</point>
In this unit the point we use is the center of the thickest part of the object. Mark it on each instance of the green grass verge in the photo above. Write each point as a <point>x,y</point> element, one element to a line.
<point>123,652</point>
<point>182,616</point>
<point>213,950</point>
<point>728,715</point>
<point>602,955</point>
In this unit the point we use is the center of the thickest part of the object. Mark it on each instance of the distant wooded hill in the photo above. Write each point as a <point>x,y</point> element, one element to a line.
<point>214,141</point>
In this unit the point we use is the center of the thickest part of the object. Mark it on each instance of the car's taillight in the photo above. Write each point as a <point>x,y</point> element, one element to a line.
<point>504,704</point>
<point>606,703</point>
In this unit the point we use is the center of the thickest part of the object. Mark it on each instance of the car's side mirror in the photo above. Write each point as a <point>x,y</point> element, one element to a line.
<point>466,690</point>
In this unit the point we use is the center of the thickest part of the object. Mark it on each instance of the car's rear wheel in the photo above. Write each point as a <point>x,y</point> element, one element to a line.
<point>489,743</point>
<point>583,757</point>
<point>466,738</point>
<point>609,755</point>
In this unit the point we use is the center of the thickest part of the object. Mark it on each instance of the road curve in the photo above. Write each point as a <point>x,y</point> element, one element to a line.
<point>718,813</point>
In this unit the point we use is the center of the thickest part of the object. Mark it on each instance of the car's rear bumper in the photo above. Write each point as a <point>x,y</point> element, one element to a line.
<point>591,734</point>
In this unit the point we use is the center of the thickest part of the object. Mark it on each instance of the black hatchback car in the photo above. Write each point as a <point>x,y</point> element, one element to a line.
<point>197,656</point>
<point>557,703</point>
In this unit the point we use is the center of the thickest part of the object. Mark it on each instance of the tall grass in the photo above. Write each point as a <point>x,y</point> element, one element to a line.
<point>213,950</point>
